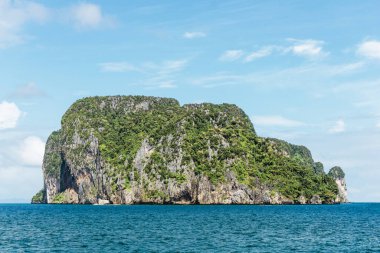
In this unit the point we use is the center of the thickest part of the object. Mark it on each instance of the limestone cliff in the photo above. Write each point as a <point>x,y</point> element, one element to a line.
<point>339,176</point>
<point>136,149</point>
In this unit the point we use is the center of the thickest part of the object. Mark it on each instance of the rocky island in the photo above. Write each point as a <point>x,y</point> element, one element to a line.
<point>138,149</point>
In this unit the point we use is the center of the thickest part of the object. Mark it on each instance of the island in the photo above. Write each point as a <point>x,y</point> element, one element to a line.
<point>152,150</point>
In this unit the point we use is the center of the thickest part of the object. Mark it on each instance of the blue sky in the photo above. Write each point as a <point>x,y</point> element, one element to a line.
<point>305,71</point>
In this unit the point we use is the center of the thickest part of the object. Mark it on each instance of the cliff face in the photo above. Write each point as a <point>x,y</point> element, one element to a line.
<point>135,149</point>
<point>339,177</point>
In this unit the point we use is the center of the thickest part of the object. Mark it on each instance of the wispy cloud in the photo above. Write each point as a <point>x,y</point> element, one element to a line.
<point>9,115</point>
<point>364,91</point>
<point>219,79</point>
<point>160,75</point>
<point>338,127</point>
<point>231,55</point>
<point>163,75</point>
<point>169,67</point>
<point>117,67</point>
<point>311,49</point>
<point>14,15</point>
<point>369,49</point>
<point>314,73</point>
<point>28,90</point>
<point>168,85</point>
<point>346,68</point>
<point>263,52</point>
<point>275,120</point>
<point>194,35</point>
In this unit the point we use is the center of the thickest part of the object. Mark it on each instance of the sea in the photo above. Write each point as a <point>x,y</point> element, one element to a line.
<point>351,227</point>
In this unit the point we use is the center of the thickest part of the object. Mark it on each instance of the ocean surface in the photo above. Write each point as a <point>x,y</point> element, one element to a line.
<point>154,228</point>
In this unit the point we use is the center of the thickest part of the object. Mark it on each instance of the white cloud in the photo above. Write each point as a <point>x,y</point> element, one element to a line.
<point>231,55</point>
<point>14,15</point>
<point>369,49</point>
<point>307,48</point>
<point>338,127</point>
<point>31,151</point>
<point>9,115</point>
<point>378,124</point>
<point>274,120</point>
<point>18,184</point>
<point>194,35</point>
<point>88,16</point>
<point>20,166</point>
<point>311,49</point>
<point>258,54</point>
<point>117,67</point>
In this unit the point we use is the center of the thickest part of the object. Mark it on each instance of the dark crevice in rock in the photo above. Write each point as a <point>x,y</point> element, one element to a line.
<point>67,179</point>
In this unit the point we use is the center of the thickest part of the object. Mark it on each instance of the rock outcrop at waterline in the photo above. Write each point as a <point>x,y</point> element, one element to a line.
<point>137,149</point>
<point>339,177</point>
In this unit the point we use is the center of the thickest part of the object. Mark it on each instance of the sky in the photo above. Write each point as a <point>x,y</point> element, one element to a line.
<point>307,72</point>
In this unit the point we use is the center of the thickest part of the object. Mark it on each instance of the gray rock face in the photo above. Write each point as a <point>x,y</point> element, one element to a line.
<point>316,200</point>
<point>342,187</point>
<point>339,177</point>
<point>90,182</point>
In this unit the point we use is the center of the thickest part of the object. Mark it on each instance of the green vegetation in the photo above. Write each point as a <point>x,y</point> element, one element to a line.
<point>156,194</point>
<point>38,197</point>
<point>53,164</point>
<point>336,172</point>
<point>290,176</point>
<point>52,158</point>
<point>318,168</point>
<point>59,198</point>
<point>214,140</point>
<point>299,154</point>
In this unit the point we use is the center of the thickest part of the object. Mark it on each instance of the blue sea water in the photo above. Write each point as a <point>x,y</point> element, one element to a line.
<point>154,228</point>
